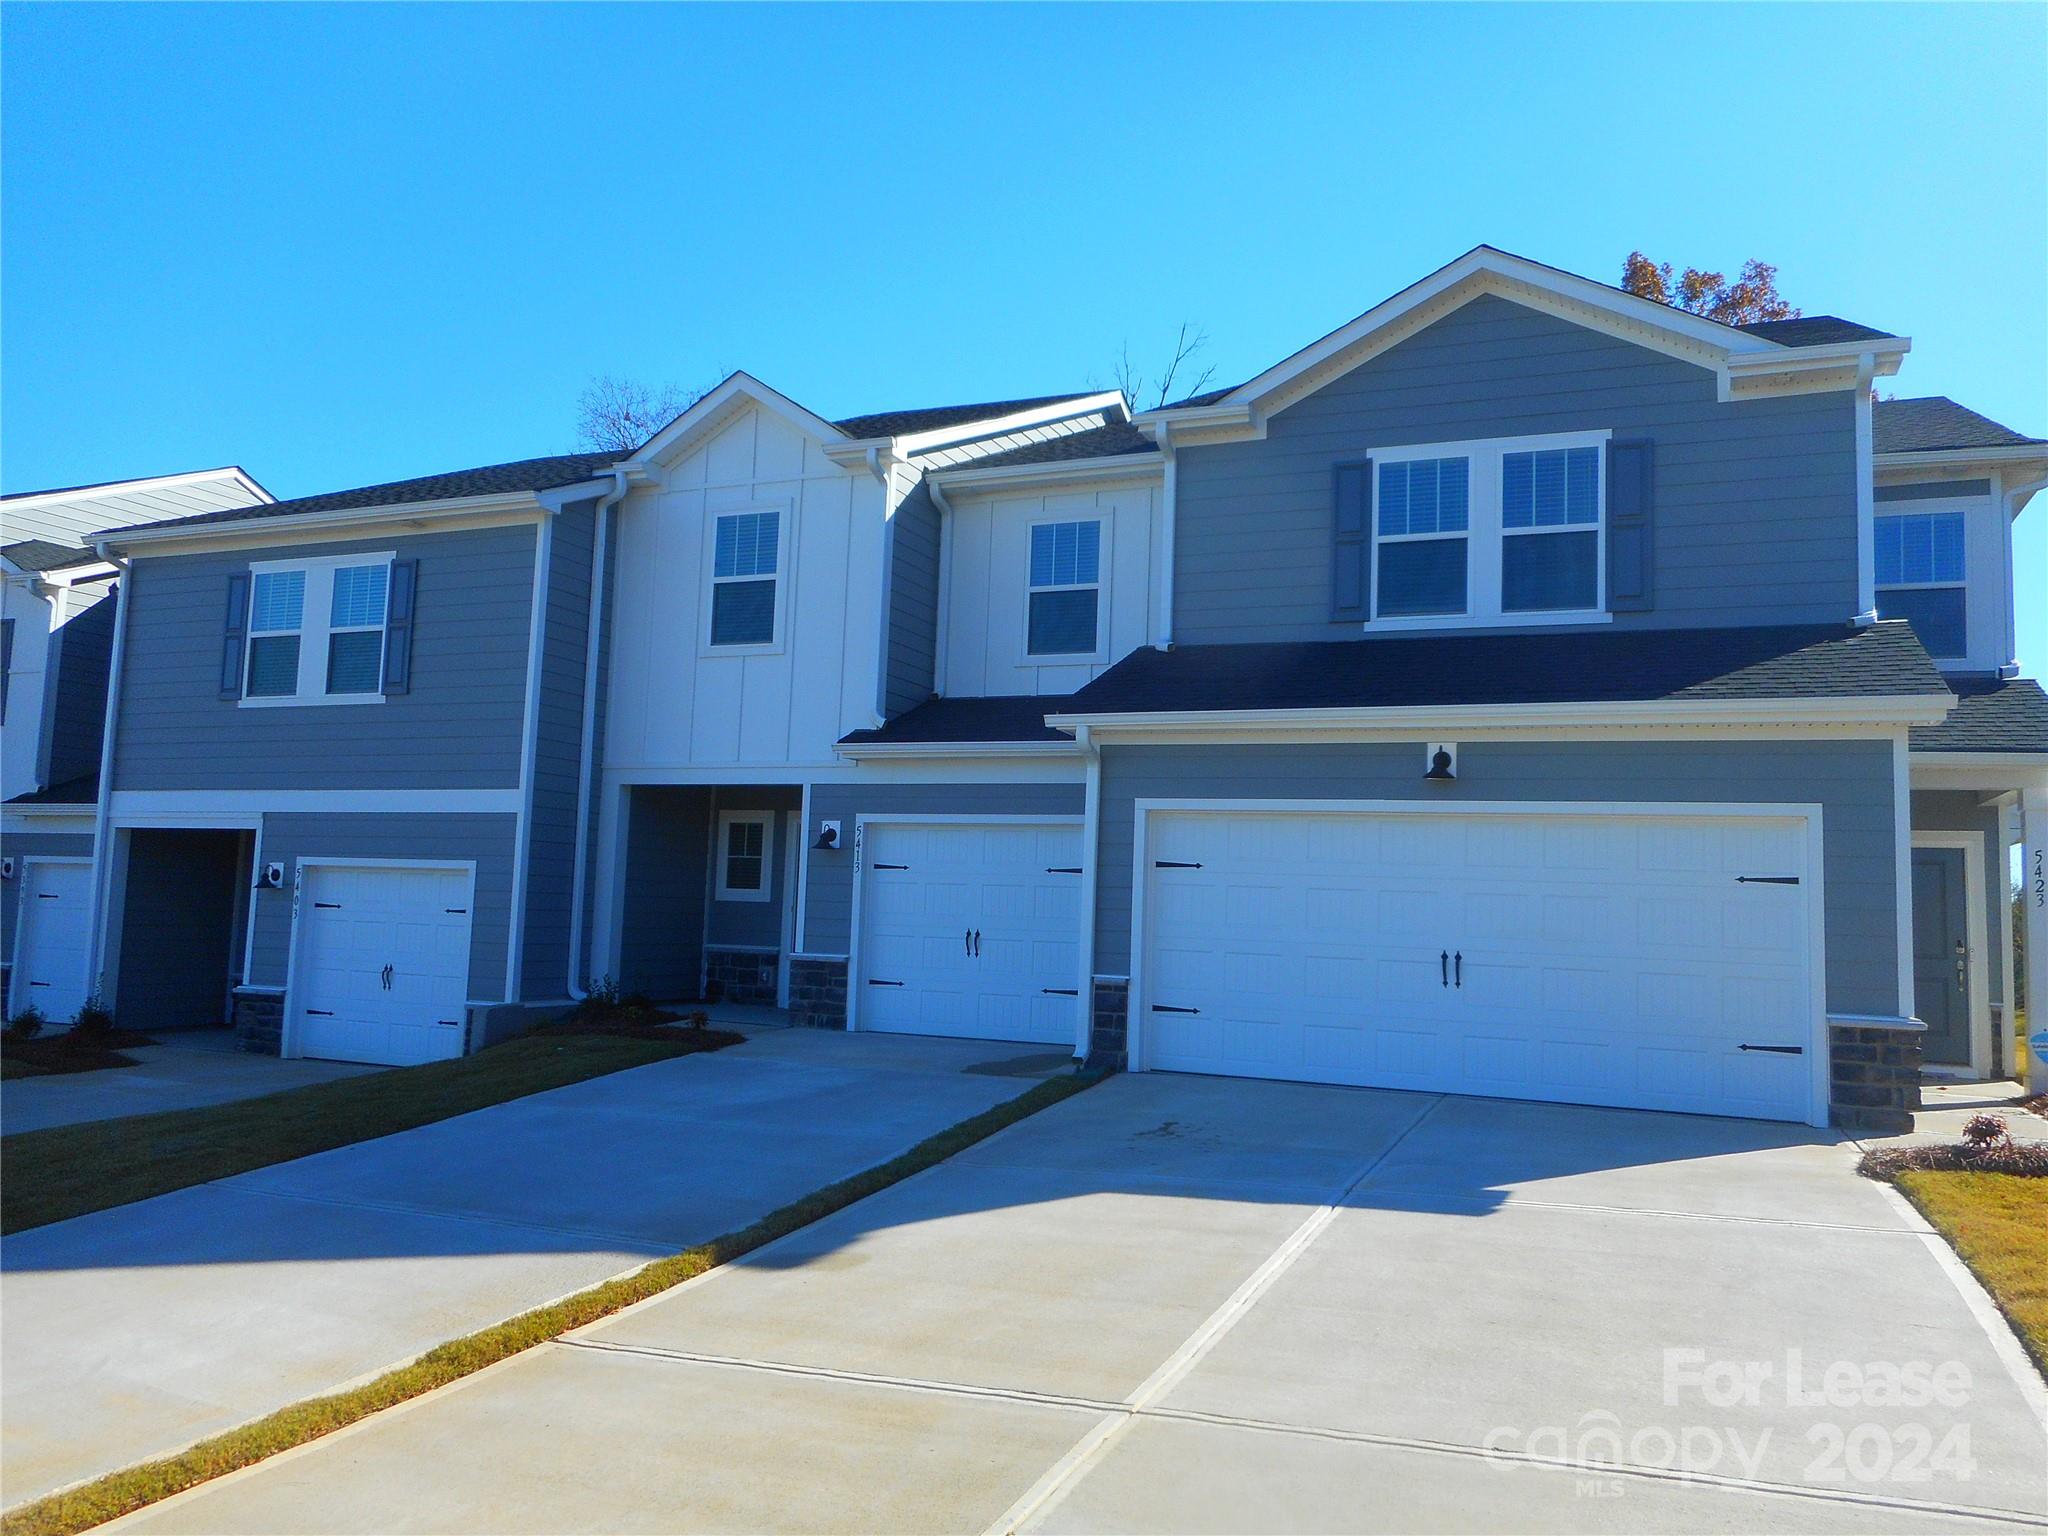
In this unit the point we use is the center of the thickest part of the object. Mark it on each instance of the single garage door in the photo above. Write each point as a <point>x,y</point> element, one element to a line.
<point>971,930</point>
<point>55,914</point>
<point>1649,961</point>
<point>383,963</point>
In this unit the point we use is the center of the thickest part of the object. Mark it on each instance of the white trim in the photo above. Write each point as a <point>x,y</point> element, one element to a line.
<point>1972,770</point>
<point>80,813</point>
<point>862,820</point>
<point>670,443</point>
<point>1813,875</point>
<point>22,910</point>
<point>784,512</point>
<point>857,751</point>
<point>1977,930</point>
<point>232,472</point>
<point>1902,868</point>
<point>288,1032</point>
<point>251,889</point>
<point>231,807</point>
<point>803,873</point>
<point>1866,506</point>
<point>1901,709</point>
<point>529,751</point>
<point>266,530</point>
<point>102,867</point>
<point>792,840</point>
<point>1169,532</point>
<point>586,758</point>
<point>1091,856</point>
<point>315,630</point>
<point>721,891</point>
<point>1141,467</point>
<point>962,433</point>
<point>1927,458</point>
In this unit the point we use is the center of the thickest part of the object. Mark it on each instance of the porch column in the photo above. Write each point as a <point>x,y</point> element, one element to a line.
<point>2034,911</point>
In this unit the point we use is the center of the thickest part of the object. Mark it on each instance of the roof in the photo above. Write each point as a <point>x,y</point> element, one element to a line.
<point>1813,331</point>
<point>1017,717</point>
<point>1934,423</point>
<point>1994,714</point>
<point>1804,661</point>
<point>83,790</point>
<point>1110,441</point>
<point>929,418</point>
<point>485,480</point>
<point>42,555</point>
<point>109,485</point>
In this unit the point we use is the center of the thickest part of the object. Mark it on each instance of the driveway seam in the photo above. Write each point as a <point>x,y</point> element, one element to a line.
<point>400,1208</point>
<point>1419,1199</point>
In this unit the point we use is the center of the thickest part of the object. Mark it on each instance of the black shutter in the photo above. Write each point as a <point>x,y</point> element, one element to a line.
<point>398,627</point>
<point>1351,541</point>
<point>1631,485</point>
<point>234,636</point>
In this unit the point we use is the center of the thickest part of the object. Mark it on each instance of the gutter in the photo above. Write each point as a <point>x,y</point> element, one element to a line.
<point>587,759</point>
<point>1091,838</point>
<point>258,527</point>
<point>1889,709</point>
<point>529,749</point>
<point>102,867</point>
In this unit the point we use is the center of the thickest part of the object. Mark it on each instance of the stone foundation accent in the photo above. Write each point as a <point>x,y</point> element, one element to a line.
<point>1109,1023</point>
<point>259,1020</point>
<point>1873,1077</point>
<point>743,975</point>
<point>817,991</point>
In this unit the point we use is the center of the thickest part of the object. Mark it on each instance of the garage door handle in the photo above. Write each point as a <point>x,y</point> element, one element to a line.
<point>1458,968</point>
<point>1766,879</point>
<point>1443,965</point>
<point>1169,1008</point>
<point>1776,1050</point>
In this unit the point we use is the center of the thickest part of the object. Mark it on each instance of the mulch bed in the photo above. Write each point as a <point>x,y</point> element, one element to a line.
<point>49,1055</point>
<point>2028,1159</point>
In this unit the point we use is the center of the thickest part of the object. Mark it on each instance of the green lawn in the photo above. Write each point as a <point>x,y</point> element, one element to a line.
<point>72,1169</point>
<point>1998,1222</point>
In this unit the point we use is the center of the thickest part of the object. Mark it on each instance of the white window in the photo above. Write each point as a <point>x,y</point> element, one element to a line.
<point>743,855</point>
<point>1920,578</point>
<point>1065,615</point>
<point>745,560</point>
<point>1509,531</point>
<point>316,630</point>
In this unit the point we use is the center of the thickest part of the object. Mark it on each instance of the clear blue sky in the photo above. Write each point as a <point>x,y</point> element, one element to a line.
<point>339,245</point>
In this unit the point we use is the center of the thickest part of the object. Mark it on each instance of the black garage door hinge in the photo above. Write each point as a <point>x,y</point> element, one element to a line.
<point>1169,1008</point>
<point>874,983</point>
<point>332,906</point>
<point>1074,871</point>
<point>1172,864</point>
<point>892,866</point>
<point>1061,991</point>
<point>1776,1050</point>
<point>1766,879</point>
<point>321,1013</point>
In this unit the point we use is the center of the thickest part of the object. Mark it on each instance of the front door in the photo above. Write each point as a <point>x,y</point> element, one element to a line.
<point>1941,955</point>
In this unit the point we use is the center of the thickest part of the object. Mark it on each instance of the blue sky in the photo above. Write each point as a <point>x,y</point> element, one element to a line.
<point>339,245</point>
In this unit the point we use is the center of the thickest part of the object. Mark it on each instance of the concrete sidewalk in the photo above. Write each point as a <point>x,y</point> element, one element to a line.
<point>132,1332</point>
<point>1185,1304</point>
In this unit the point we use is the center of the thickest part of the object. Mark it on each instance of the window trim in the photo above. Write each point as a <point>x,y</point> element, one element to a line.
<point>1933,507</point>
<point>785,543</point>
<point>1104,533</point>
<point>1486,535</point>
<point>315,626</point>
<point>721,891</point>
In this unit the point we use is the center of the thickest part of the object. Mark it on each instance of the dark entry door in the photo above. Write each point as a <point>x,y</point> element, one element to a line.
<point>1941,969</point>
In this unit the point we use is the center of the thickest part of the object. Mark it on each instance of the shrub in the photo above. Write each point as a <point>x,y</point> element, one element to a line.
<point>27,1024</point>
<point>95,1021</point>
<point>697,1018</point>
<point>603,992</point>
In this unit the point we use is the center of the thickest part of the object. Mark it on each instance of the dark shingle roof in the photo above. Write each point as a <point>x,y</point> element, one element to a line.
<point>1996,714</point>
<point>1110,441</point>
<point>929,418</point>
<point>83,790</point>
<point>1934,423</point>
<point>1207,397</point>
<point>1765,662</point>
<point>996,718</point>
<point>485,480</point>
<point>42,555</point>
<point>1813,331</point>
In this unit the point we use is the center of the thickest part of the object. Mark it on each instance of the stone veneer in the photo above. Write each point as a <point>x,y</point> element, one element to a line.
<point>817,991</point>
<point>1873,1077</point>
<point>259,1020</point>
<point>743,975</point>
<point>1109,1025</point>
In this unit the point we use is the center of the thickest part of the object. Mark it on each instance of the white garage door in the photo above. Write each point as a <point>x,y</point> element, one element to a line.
<point>383,964</point>
<point>1648,961</point>
<point>55,917</point>
<point>971,930</point>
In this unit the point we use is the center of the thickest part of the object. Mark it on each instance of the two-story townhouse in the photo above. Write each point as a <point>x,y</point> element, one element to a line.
<point>1491,696</point>
<point>56,630</point>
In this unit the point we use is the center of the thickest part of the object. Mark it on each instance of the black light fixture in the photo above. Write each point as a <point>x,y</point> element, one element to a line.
<point>1443,762</point>
<point>828,835</point>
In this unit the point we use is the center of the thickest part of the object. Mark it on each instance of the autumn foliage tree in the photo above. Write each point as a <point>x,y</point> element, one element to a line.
<point>1752,296</point>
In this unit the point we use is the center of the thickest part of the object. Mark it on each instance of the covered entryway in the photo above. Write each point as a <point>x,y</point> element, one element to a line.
<point>381,964</point>
<point>55,914</point>
<point>969,929</point>
<point>1633,958</point>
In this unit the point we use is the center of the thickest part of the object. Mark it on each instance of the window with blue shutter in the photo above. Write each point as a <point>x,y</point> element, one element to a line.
<point>1423,514</point>
<point>316,630</point>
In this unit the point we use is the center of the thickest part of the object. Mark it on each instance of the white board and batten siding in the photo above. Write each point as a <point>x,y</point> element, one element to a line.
<point>989,572</point>
<point>1647,960</point>
<point>674,701</point>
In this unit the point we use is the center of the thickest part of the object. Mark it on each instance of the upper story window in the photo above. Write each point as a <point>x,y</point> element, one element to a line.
<point>743,856</point>
<point>745,565</point>
<point>317,630</point>
<point>1920,578</point>
<point>1489,532</point>
<point>1066,589</point>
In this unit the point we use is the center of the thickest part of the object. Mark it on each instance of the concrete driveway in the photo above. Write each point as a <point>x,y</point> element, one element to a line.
<point>1185,1304</point>
<point>132,1332</point>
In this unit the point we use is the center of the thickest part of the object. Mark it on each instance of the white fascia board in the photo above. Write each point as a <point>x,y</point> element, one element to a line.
<point>230,472</point>
<point>1906,709</point>
<point>667,444</point>
<point>1979,770</point>
<point>876,750</point>
<point>1935,458</point>
<point>1123,466</point>
<point>1883,355</point>
<point>994,426</point>
<point>258,531</point>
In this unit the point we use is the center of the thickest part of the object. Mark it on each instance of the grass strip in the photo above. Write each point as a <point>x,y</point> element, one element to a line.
<point>119,1493</point>
<point>71,1170</point>
<point>1998,1224</point>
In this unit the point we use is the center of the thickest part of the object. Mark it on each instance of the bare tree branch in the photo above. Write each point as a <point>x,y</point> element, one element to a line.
<point>1187,343</point>
<point>618,415</point>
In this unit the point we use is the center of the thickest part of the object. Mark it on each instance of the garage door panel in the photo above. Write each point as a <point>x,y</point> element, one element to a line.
<point>54,912</point>
<point>382,973</point>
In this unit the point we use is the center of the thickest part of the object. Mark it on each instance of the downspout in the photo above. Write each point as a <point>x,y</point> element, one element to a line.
<point>1091,836</point>
<point>529,748</point>
<point>944,621</point>
<point>102,897</point>
<point>586,761</point>
<point>1170,515</point>
<point>2011,501</point>
<point>885,476</point>
<point>1866,497</point>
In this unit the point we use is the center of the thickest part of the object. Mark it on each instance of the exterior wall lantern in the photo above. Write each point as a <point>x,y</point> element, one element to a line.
<point>828,836</point>
<point>1442,762</point>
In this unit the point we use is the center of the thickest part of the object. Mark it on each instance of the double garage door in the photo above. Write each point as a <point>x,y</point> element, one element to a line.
<point>1639,960</point>
<point>382,971</point>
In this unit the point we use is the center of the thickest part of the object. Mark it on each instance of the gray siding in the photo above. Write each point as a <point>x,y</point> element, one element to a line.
<point>913,601</point>
<point>558,748</point>
<point>1850,780</point>
<point>21,845</point>
<point>430,839</point>
<point>755,924</point>
<point>828,902</point>
<point>75,693</point>
<point>458,728</point>
<point>1755,514</point>
<point>1957,810</point>
<point>179,950</point>
<point>661,917</point>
